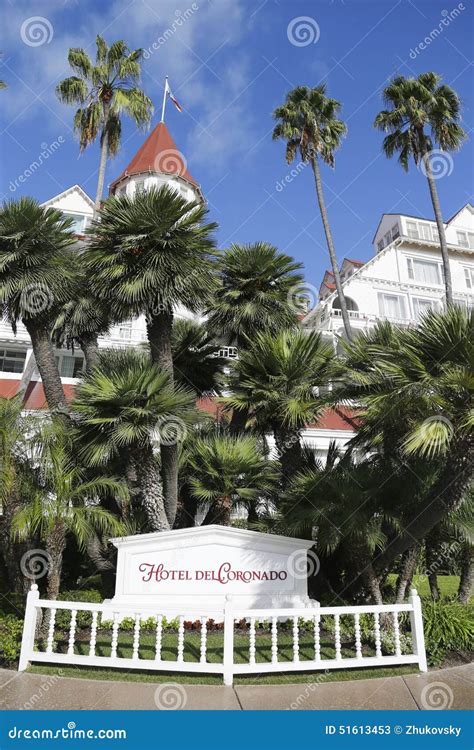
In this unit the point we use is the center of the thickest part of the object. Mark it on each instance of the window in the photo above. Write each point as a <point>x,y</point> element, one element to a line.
<point>125,331</point>
<point>466,239</point>
<point>392,306</point>
<point>70,367</point>
<point>387,238</point>
<point>425,231</point>
<point>469,276</point>
<point>435,234</point>
<point>79,222</point>
<point>380,245</point>
<point>412,230</point>
<point>428,272</point>
<point>12,360</point>
<point>395,232</point>
<point>139,186</point>
<point>422,305</point>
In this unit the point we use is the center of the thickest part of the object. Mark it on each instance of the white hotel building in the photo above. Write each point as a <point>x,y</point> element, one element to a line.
<point>402,280</point>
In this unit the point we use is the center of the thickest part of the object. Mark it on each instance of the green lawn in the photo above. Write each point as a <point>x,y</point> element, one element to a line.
<point>214,654</point>
<point>448,585</point>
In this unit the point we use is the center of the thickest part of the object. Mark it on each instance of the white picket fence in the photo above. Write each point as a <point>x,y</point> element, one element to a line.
<point>295,638</point>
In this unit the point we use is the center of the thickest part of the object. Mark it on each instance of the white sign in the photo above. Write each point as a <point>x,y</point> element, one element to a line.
<point>201,566</point>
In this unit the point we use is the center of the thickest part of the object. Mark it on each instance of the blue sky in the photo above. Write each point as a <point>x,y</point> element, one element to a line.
<point>230,63</point>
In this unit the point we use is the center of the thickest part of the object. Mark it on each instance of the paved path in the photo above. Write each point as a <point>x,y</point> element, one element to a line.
<point>447,688</point>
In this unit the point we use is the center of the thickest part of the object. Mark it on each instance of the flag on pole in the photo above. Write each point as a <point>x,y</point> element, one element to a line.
<point>173,99</point>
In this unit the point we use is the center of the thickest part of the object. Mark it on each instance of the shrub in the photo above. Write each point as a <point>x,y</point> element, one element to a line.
<point>449,626</point>
<point>84,619</point>
<point>11,629</point>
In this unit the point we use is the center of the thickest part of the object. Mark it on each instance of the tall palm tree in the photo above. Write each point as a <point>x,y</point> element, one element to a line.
<point>36,280</point>
<point>122,407</point>
<point>308,122</point>
<point>3,85</point>
<point>104,90</point>
<point>418,388</point>
<point>65,503</point>
<point>422,112</point>
<point>197,361</point>
<point>276,381</point>
<point>146,255</point>
<point>227,471</point>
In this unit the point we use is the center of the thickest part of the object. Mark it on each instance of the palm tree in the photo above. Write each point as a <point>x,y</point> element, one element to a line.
<point>65,503</point>
<point>227,471</point>
<point>414,105</point>
<point>309,124</point>
<point>276,380</point>
<point>258,291</point>
<point>36,280</point>
<point>123,405</point>
<point>104,90</point>
<point>82,319</point>
<point>16,480</point>
<point>147,255</point>
<point>197,361</point>
<point>3,85</point>
<point>418,389</point>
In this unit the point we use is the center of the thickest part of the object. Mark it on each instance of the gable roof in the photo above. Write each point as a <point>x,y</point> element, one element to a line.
<point>466,205</point>
<point>73,189</point>
<point>160,154</point>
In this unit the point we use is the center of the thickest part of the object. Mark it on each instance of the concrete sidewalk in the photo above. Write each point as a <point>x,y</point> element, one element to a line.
<point>447,688</point>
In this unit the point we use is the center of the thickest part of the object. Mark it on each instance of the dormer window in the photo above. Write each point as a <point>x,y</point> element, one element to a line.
<point>412,229</point>
<point>380,245</point>
<point>395,232</point>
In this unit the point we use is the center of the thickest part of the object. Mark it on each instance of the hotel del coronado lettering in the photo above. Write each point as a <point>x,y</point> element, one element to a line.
<point>223,574</point>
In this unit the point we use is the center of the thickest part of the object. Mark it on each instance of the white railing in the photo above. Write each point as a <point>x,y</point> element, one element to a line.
<point>302,639</point>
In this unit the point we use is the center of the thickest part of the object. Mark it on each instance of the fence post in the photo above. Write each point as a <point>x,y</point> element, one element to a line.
<point>29,627</point>
<point>417,632</point>
<point>228,641</point>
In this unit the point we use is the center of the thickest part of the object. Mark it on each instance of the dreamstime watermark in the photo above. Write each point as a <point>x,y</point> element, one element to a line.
<point>47,150</point>
<point>288,178</point>
<point>36,31</point>
<point>441,164</point>
<point>170,697</point>
<point>437,696</point>
<point>181,18</point>
<point>447,18</point>
<point>437,566</point>
<point>303,563</point>
<point>36,299</point>
<point>35,564</point>
<point>172,430</point>
<point>42,691</point>
<point>309,688</point>
<point>171,161</point>
<point>303,31</point>
<point>303,298</point>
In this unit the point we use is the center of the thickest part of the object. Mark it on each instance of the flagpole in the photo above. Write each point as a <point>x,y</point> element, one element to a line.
<point>164,100</point>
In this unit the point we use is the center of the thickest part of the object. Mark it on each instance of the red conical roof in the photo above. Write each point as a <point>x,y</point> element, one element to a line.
<point>159,153</point>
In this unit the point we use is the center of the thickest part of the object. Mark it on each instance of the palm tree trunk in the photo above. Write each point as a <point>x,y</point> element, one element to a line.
<point>90,349</point>
<point>331,248</point>
<point>432,561</point>
<point>439,223</point>
<point>443,497</point>
<point>288,446</point>
<point>104,151</point>
<point>48,369</point>
<point>467,574</point>
<point>219,512</point>
<point>148,477</point>
<point>55,546</point>
<point>409,562</point>
<point>159,329</point>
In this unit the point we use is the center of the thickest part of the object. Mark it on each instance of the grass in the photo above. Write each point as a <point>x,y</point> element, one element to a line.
<point>214,654</point>
<point>448,585</point>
